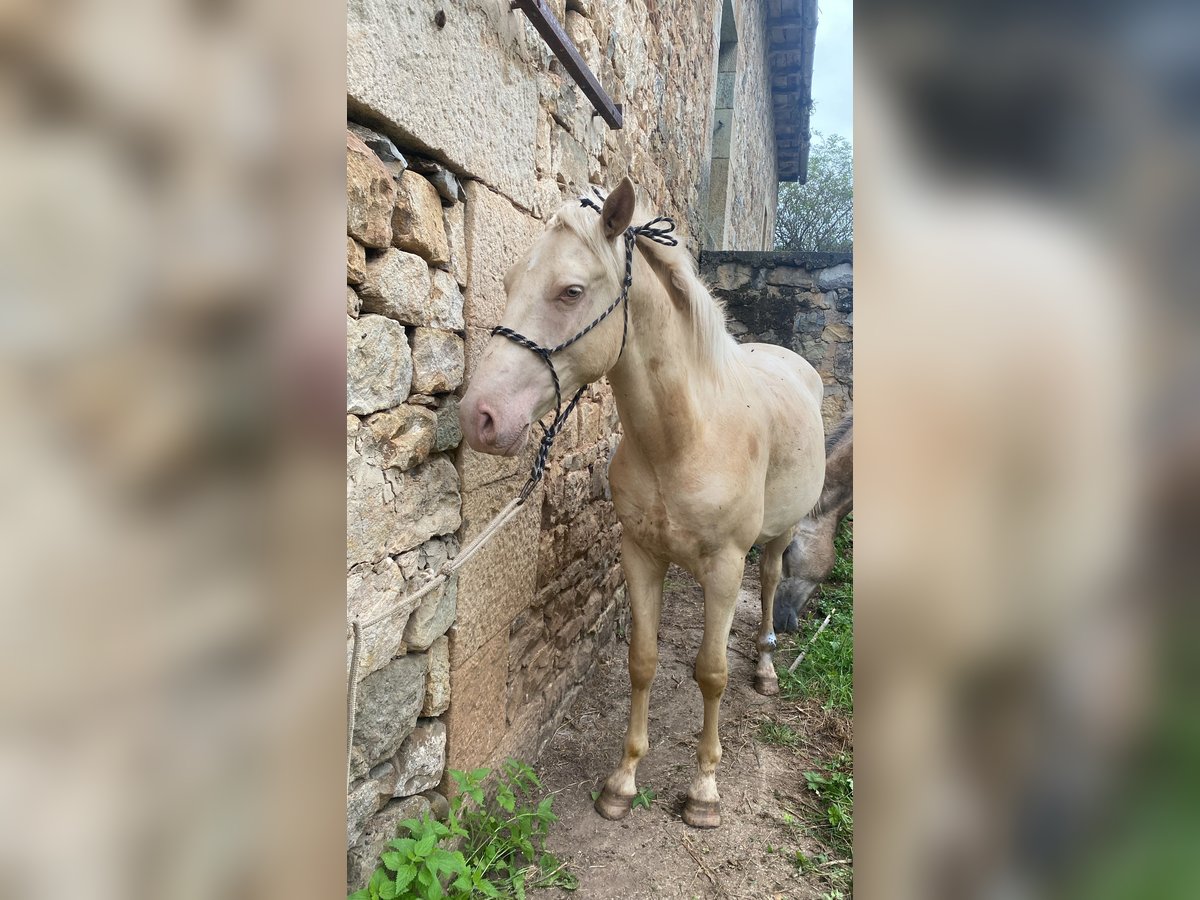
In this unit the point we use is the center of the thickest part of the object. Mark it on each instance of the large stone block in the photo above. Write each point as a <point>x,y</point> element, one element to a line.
<point>417,219</point>
<point>793,276</point>
<point>445,309</point>
<point>389,511</point>
<point>402,68</point>
<point>386,710</point>
<point>475,722</point>
<point>499,581</point>
<point>497,234</point>
<point>373,589</point>
<point>438,360</point>
<point>398,438</point>
<point>839,276</point>
<point>422,758</point>
<point>397,285</point>
<point>370,195</point>
<point>378,364</point>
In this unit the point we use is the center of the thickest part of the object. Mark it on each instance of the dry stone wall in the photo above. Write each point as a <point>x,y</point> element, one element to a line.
<point>404,360</point>
<point>802,301</point>
<point>465,134</point>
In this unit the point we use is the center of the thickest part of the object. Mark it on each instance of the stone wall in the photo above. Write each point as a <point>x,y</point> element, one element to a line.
<point>404,360</point>
<point>802,301</point>
<point>465,136</point>
<point>753,183</point>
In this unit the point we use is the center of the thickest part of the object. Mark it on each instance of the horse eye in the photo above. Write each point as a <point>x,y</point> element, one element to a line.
<point>574,292</point>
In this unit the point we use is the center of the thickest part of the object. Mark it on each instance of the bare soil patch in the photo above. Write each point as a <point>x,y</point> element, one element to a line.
<point>652,853</point>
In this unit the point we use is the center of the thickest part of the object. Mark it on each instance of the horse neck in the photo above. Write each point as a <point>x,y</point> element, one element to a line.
<point>655,380</point>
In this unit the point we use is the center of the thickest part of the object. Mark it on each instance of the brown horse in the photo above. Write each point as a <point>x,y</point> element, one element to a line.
<point>723,444</point>
<point>810,557</point>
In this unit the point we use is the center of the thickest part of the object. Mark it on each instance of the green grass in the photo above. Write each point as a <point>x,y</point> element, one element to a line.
<point>834,789</point>
<point>778,733</point>
<point>827,672</point>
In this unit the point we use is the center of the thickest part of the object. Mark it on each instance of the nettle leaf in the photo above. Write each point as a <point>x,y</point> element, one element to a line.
<point>404,845</point>
<point>405,877</point>
<point>394,860</point>
<point>485,887</point>
<point>364,894</point>
<point>425,845</point>
<point>388,891</point>
<point>506,800</point>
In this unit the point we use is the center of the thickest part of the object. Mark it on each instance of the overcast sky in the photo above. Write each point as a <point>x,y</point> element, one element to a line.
<point>833,67</point>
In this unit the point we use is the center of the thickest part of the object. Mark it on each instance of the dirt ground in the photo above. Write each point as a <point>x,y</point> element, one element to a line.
<point>652,853</point>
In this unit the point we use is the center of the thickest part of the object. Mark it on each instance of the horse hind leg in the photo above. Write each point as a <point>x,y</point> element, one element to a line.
<point>644,579</point>
<point>721,583</point>
<point>770,565</point>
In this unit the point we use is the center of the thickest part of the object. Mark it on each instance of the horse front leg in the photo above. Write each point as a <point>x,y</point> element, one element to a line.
<point>644,580</point>
<point>770,567</point>
<point>720,580</point>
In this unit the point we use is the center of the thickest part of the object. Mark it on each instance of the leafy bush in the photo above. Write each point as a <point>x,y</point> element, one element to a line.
<point>485,848</point>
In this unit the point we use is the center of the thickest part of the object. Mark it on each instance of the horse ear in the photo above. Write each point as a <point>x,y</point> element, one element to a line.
<point>617,212</point>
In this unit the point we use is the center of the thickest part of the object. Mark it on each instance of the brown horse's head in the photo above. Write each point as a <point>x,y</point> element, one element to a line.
<point>567,278</point>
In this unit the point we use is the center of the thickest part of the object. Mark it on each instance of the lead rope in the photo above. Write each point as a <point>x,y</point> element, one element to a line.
<point>658,230</point>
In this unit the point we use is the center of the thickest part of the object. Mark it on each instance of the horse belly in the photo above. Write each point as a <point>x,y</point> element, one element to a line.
<point>795,469</point>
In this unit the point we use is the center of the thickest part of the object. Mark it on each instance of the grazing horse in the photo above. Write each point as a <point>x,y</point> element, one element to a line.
<point>723,444</point>
<point>810,557</point>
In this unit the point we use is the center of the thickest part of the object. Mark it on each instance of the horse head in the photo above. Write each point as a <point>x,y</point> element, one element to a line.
<point>544,350</point>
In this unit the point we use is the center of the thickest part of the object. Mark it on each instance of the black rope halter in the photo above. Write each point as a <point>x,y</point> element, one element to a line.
<point>658,230</point>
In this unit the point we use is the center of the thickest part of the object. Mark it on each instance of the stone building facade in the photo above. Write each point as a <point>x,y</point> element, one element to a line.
<point>802,301</point>
<point>465,134</point>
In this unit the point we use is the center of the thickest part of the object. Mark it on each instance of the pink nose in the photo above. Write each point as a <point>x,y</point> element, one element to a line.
<point>485,425</point>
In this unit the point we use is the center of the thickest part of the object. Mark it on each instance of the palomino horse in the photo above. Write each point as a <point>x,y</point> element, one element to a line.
<point>722,443</point>
<point>810,557</point>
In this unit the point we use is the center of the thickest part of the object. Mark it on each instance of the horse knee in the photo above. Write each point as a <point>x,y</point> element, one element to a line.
<point>642,669</point>
<point>712,679</point>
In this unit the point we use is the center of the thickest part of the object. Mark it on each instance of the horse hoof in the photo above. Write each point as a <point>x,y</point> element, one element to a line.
<point>613,806</point>
<point>702,813</point>
<point>768,687</point>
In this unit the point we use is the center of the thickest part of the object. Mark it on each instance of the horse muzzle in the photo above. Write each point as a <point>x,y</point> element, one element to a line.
<point>490,427</point>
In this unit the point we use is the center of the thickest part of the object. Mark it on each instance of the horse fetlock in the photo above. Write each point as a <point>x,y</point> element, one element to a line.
<point>768,642</point>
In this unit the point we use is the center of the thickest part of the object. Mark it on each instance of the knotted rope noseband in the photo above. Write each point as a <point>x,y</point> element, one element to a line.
<point>658,230</point>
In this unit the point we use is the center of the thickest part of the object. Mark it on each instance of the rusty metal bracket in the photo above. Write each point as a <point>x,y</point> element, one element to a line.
<point>558,42</point>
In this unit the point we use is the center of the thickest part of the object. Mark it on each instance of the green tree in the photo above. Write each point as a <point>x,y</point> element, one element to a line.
<point>819,215</point>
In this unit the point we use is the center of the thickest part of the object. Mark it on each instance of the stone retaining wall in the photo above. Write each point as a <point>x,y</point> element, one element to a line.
<point>802,301</point>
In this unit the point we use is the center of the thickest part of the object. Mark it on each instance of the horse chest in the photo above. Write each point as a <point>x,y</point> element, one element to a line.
<point>679,518</point>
